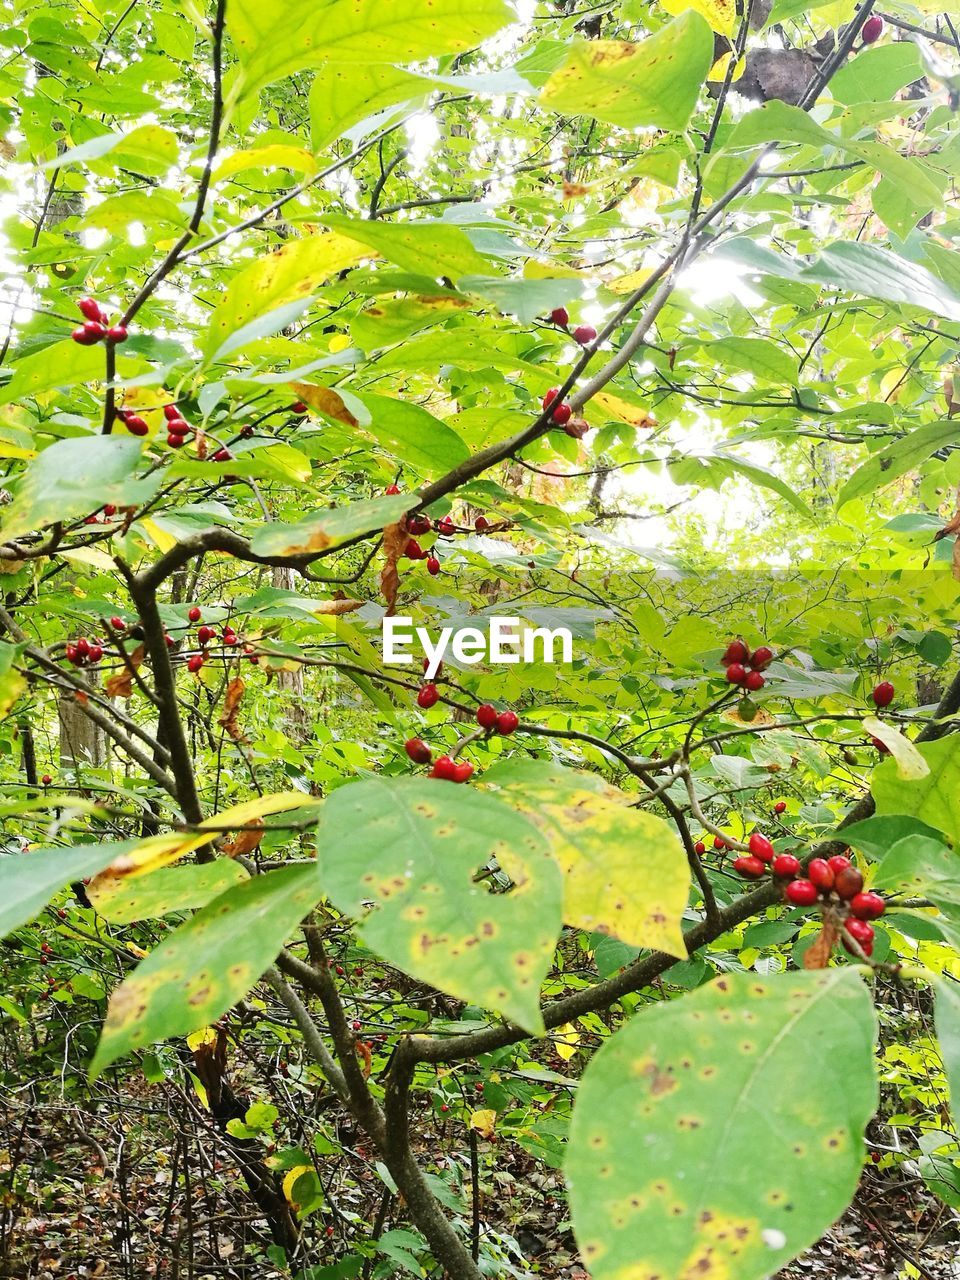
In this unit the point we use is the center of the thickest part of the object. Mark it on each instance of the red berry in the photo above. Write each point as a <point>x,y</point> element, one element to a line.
<point>780,806</point>
<point>584,334</point>
<point>222,455</point>
<point>426,664</point>
<point>699,847</point>
<point>761,847</point>
<point>486,716</point>
<point>463,771</point>
<point>872,29</point>
<point>171,412</point>
<point>839,863</point>
<point>785,864</point>
<point>392,489</point>
<point>507,722</point>
<point>178,426</point>
<point>117,333</point>
<point>736,673</point>
<point>561,414</point>
<point>136,425</point>
<point>867,906</point>
<point>481,524</point>
<point>719,842</point>
<point>560,316</point>
<point>848,883</point>
<point>118,624</point>
<point>433,566</point>
<point>174,441</point>
<point>754,681</point>
<point>81,335</point>
<point>356,1024</point>
<point>339,969</point>
<point>883,694</point>
<point>802,893</point>
<point>444,768</point>
<point>83,646</point>
<point>46,779</point>
<point>821,873</point>
<point>230,639</point>
<point>413,550</point>
<point>299,407</point>
<point>428,696</point>
<point>445,527</point>
<point>169,640</point>
<point>417,524</point>
<point>61,913</point>
<point>418,751</point>
<point>195,662</point>
<point>880,745</point>
<point>444,1107</point>
<point>109,509</point>
<point>752,868</point>
<point>736,651</point>
<point>88,308</point>
<point>861,931</point>
<point>246,433</point>
<point>205,634</point>
<point>95,653</point>
<point>71,654</point>
<point>195,613</point>
<point>761,658</point>
<point>94,330</point>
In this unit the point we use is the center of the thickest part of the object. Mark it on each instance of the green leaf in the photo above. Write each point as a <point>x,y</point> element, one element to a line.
<point>946,1013</point>
<point>655,82</point>
<point>896,459</point>
<point>293,272</point>
<point>934,799</point>
<point>150,147</point>
<point>524,298</point>
<point>65,364</point>
<point>328,528</point>
<point>125,899</point>
<point>344,93</point>
<point>413,435</point>
<point>412,847</point>
<point>876,836</point>
<point>920,865</point>
<point>29,880</point>
<point>291,34</point>
<point>208,964</point>
<point>73,478</point>
<point>873,272</point>
<point>757,356</point>
<point>624,871</point>
<point>425,247</point>
<point>700,1144</point>
<point>714,468</point>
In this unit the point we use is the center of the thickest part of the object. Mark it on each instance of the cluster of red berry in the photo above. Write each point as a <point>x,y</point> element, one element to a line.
<point>205,635</point>
<point>96,326</point>
<point>444,767</point>
<point>488,718</point>
<point>562,415</point>
<point>418,524</point>
<point>494,721</point>
<point>177,426</point>
<point>833,882</point>
<point>583,333</point>
<point>83,652</point>
<point>882,695</point>
<point>743,667</point>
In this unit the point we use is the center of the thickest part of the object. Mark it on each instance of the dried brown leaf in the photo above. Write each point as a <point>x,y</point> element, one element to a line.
<point>395,538</point>
<point>120,685</point>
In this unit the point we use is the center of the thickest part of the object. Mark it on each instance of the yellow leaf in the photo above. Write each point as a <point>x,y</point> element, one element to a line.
<point>484,1122</point>
<point>718,72</point>
<point>533,269</point>
<point>632,414</point>
<point>910,763</point>
<point>339,342</point>
<point>278,156</point>
<point>326,401</point>
<point>291,1180</point>
<point>206,1035</point>
<point>721,14</point>
<point>627,283</point>
<point>566,1040</point>
<point>160,537</point>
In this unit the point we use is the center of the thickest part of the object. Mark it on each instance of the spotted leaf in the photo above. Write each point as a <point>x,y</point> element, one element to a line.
<point>123,899</point>
<point>718,1135</point>
<point>208,964</point>
<point>404,853</point>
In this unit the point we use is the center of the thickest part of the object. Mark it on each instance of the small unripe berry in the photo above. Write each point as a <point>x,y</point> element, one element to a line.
<point>821,873</point>
<point>883,694</point>
<point>761,847</point>
<point>195,613</point>
<point>785,864</point>
<point>428,696</point>
<point>433,566</point>
<point>749,866</point>
<point>754,681</point>
<point>584,334</point>
<point>507,722</point>
<point>736,673</point>
<point>195,662</point>
<point>780,806</point>
<point>868,906</point>
<point>872,29</point>
<point>761,658</point>
<point>418,751</point>
<point>848,883</point>
<point>560,316</point>
<point>486,716</point>
<point>802,893</point>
